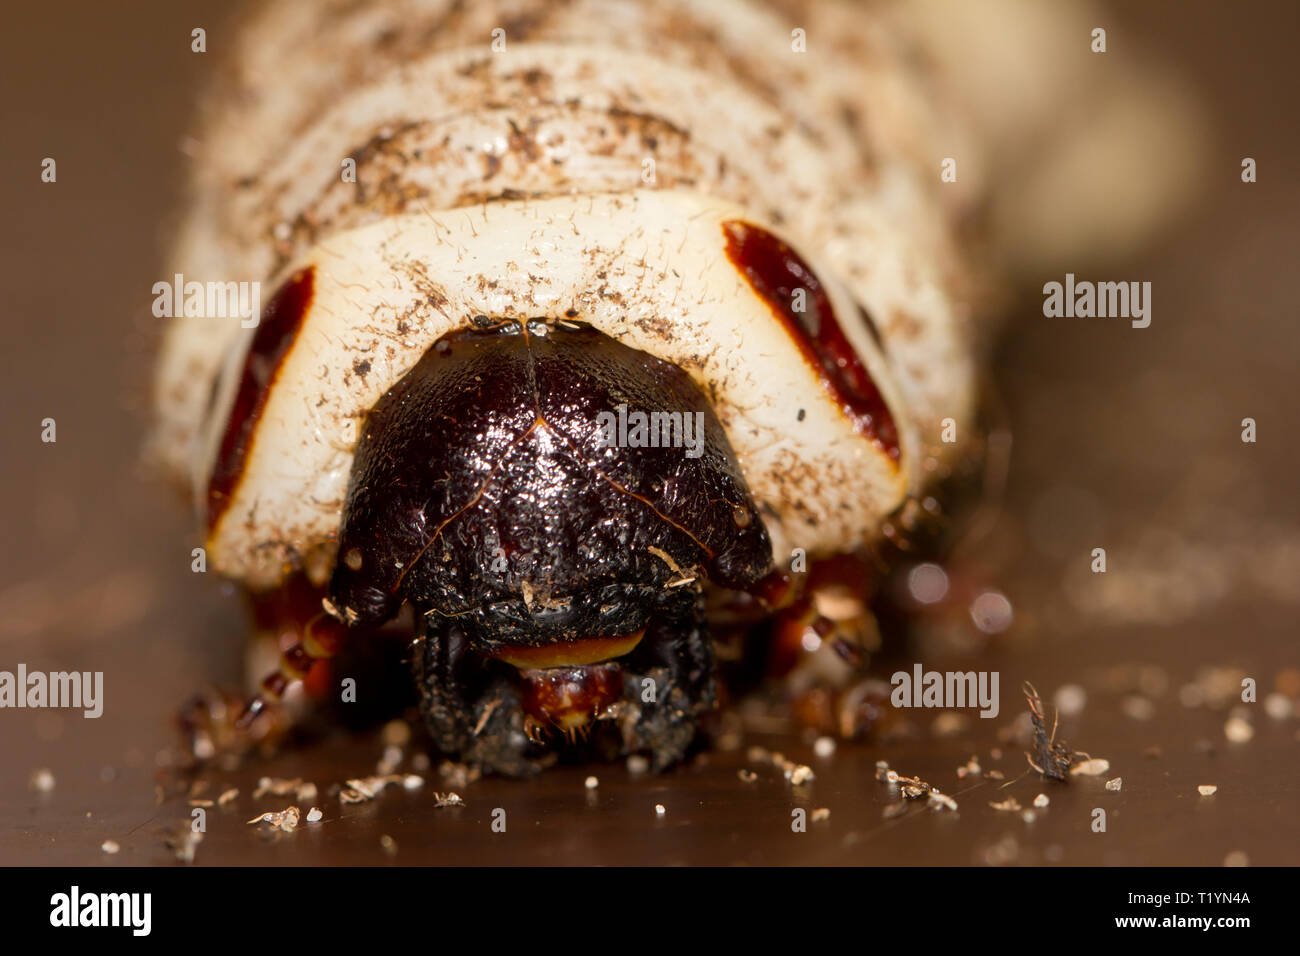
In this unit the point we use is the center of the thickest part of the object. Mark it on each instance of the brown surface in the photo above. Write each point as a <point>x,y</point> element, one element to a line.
<point>1124,439</point>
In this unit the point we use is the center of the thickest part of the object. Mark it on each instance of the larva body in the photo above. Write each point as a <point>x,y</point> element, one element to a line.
<point>490,232</point>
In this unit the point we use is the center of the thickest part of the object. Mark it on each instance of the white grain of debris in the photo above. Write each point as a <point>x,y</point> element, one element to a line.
<point>1115,784</point>
<point>820,814</point>
<point>1009,805</point>
<point>1041,800</point>
<point>941,801</point>
<point>1238,730</point>
<point>412,781</point>
<point>800,774</point>
<point>1070,699</point>
<point>824,747</point>
<point>660,809</point>
<point>1093,767</point>
<point>388,843</point>
<point>1207,789</point>
<point>397,733</point>
<point>591,783</point>
<point>1278,706</point>
<point>276,787</point>
<point>110,847</point>
<point>1236,858</point>
<point>447,800</point>
<point>948,724</point>
<point>637,765</point>
<point>314,815</point>
<point>227,796</point>
<point>42,781</point>
<point>1138,708</point>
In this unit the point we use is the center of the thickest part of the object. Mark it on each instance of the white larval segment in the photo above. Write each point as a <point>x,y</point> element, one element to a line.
<point>649,269</point>
<point>826,145</point>
<point>826,120</point>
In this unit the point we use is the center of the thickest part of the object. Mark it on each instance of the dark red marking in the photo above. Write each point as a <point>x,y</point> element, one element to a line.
<point>774,270</point>
<point>276,330</point>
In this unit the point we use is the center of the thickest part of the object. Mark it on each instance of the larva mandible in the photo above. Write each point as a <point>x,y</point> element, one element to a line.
<point>512,246</point>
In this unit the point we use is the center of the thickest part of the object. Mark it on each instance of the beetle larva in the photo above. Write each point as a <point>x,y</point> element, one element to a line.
<point>583,313</point>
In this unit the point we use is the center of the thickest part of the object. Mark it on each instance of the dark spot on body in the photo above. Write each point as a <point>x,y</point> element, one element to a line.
<point>361,367</point>
<point>775,271</point>
<point>279,326</point>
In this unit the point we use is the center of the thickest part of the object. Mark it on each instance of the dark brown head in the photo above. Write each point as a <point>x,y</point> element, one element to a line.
<point>548,500</point>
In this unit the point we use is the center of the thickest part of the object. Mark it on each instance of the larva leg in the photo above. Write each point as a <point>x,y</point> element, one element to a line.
<point>289,625</point>
<point>482,725</point>
<point>676,688</point>
<point>322,638</point>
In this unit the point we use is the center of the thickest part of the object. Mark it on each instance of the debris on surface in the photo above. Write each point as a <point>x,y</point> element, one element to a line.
<point>941,801</point>
<point>996,775</point>
<point>280,787</point>
<point>314,815</point>
<point>1093,767</point>
<point>391,759</point>
<point>458,775</point>
<point>1051,759</point>
<point>637,765</point>
<point>1070,700</point>
<point>1138,708</point>
<point>1207,789</point>
<point>361,789</point>
<point>824,747</point>
<point>183,840</point>
<point>949,724</point>
<point>227,796</point>
<point>820,814</point>
<point>796,773</point>
<point>746,776</point>
<point>203,803</point>
<point>1278,706</point>
<point>1236,858</point>
<point>1009,805</point>
<point>660,809</point>
<point>1116,784</point>
<point>42,780</point>
<point>591,783</point>
<point>1238,730</point>
<point>441,800</point>
<point>972,768</point>
<point>397,733</point>
<point>389,844</point>
<point>894,810</point>
<point>110,847</point>
<point>1041,800</point>
<point>286,819</point>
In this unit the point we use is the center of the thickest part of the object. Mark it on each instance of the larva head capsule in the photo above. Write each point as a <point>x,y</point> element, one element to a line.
<point>551,503</point>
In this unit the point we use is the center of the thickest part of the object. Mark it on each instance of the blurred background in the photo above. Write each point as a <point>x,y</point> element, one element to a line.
<point>1124,440</point>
